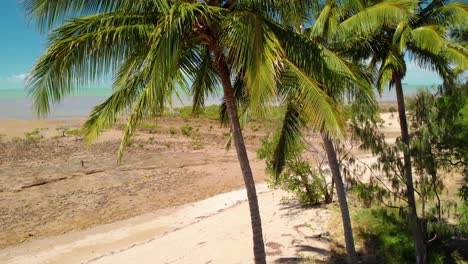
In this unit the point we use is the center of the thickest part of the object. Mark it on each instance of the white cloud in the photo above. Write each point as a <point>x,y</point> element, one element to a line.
<point>14,77</point>
<point>20,76</point>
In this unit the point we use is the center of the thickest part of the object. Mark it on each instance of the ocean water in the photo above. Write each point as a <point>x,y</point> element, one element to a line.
<point>15,103</point>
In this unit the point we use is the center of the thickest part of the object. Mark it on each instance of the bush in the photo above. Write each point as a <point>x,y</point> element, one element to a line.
<point>298,177</point>
<point>172,130</point>
<point>392,109</point>
<point>33,135</point>
<point>74,132</point>
<point>186,130</point>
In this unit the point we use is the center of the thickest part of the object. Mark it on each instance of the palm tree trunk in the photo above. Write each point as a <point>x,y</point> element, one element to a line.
<point>329,193</point>
<point>419,245</point>
<point>340,191</point>
<point>259,247</point>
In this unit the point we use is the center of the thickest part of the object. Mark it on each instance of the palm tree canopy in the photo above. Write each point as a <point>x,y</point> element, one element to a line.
<point>157,48</point>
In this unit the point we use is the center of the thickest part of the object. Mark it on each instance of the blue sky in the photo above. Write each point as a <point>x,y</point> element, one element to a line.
<point>23,45</point>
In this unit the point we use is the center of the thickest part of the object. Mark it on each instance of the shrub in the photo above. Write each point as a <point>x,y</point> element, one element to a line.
<point>33,135</point>
<point>392,109</point>
<point>186,130</point>
<point>198,145</point>
<point>298,177</point>
<point>172,130</point>
<point>74,132</point>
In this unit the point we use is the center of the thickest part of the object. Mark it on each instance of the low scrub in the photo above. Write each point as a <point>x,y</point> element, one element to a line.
<point>386,234</point>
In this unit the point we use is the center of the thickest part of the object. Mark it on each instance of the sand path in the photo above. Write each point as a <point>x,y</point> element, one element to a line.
<point>215,230</point>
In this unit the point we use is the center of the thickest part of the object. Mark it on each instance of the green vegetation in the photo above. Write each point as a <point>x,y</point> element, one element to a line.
<point>151,128</point>
<point>297,177</point>
<point>172,130</point>
<point>386,234</point>
<point>198,144</point>
<point>438,136</point>
<point>210,112</point>
<point>308,56</point>
<point>74,132</point>
<point>186,130</point>
<point>33,135</point>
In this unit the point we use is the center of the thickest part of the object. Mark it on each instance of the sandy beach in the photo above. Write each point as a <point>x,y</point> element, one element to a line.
<point>193,233</point>
<point>62,201</point>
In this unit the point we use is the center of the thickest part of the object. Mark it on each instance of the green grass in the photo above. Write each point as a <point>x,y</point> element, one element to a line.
<point>74,132</point>
<point>210,112</point>
<point>385,233</point>
<point>33,135</point>
<point>151,128</point>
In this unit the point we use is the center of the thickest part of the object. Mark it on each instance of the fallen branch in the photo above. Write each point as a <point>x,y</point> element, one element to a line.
<point>40,182</point>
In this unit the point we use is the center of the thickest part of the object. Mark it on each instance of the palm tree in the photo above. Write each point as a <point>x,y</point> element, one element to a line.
<point>335,20</point>
<point>152,47</point>
<point>423,37</point>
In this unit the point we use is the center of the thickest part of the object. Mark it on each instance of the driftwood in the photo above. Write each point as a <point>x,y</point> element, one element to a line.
<point>40,182</point>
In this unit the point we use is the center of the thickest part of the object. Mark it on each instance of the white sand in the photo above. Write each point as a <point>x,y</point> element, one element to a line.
<point>215,230</point>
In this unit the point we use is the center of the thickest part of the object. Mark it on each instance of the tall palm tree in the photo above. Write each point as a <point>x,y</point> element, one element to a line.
<point>152,47</point>
<point>333,20</point>
<point>423,38</point>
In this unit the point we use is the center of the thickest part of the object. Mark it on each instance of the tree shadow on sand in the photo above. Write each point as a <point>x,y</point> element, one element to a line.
<point>335,256</point>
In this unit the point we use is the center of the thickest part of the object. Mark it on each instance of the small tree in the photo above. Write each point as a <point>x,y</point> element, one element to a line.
<point>306,181</point>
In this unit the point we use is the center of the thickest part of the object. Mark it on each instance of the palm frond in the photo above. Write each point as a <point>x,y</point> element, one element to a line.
<point>429,38</point>
<point>293,12</point>
<point>394,63</point>
<point>458,55</point>
<point>255,50</point>
<point>206,80</point>
<point>49,13</point>
<point>82,52</point>
<point>385,13</point>
<point>290,135</point>
<point>327,22</point>
<point>320,109</point>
